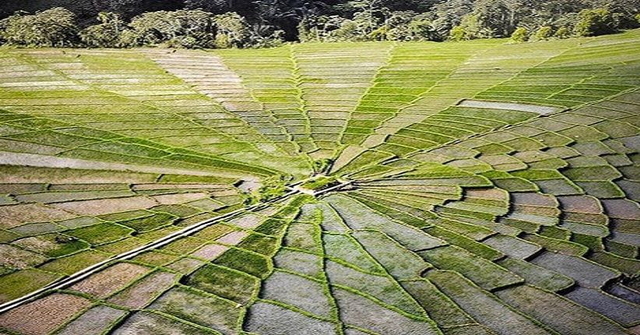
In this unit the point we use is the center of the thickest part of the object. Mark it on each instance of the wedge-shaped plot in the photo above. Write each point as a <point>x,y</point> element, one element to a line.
<point>343,248</point>
<point>398,261</point>
<point>358,216</point>
<point>438,306</point>
<point>303,236</point>
<point>383,288</point>
<point>266,318</point>
<point>536,275</point>
<point>557,312</point>
<point>584,272</point>
<point>484,273</point>
<point>366,314</point>
<point>487,309</point>
<point>476,248</point>
<point>621,311</point>
<point>299,262</point>
<point>154,323</point>
<point>297,291</point>
<point>513,246</point>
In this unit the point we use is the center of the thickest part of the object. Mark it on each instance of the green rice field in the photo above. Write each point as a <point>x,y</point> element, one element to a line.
<point>456,188</point>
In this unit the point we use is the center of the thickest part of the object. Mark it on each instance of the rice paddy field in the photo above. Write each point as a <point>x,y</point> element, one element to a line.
<point>483,187</point>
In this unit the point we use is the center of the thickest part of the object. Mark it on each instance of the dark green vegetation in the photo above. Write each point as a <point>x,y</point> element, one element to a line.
<point>265,23</point>
<point>494,188</point>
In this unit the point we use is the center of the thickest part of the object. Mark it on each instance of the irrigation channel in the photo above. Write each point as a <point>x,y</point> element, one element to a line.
<point>86,272</point>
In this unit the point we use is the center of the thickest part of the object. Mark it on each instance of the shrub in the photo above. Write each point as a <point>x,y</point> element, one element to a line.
<point>421,29</point>
<point>457,33</point>
<point>470,28</point>
<point>232,31</point>
<point>562,32</point>
<point>594,22</point>
<point>55,27</point>
<point>544,33</point>
<point>322,165</point>
<point>520,35</point>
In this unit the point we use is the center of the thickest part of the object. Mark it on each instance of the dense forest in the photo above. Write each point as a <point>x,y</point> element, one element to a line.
<point>263,23</point>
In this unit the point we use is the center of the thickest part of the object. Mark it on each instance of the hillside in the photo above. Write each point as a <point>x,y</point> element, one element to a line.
<point>479,187</point>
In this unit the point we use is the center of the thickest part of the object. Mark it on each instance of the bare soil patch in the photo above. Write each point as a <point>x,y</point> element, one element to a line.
<point>15,215</point>
<point>210,251</point>
<point>106,206</point>
<point>44,315</point>
<point>110,280</point>
<point>145,290</point>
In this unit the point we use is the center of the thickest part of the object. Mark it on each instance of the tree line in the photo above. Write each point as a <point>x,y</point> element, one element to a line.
<point>264,23</point>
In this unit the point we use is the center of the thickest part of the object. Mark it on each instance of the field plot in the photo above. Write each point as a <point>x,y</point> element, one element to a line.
<point>483,187</point>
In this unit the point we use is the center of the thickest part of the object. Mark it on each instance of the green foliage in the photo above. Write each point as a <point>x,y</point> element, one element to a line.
<point>470,28</point>
<point>108,34</point>
<point>272,187</point>
<point>55,27</point>
<point>520,35</point>
<point>457,33</point>
<point>320,183</point>
<point>562,32</point>
<point>369,25</point>
<point>182,28</point>
<point>544,33</point>
<point>245,261</point>
<point>322,165</point>
<point>267,23</point>
<point>233,30</point>
<point>594,22</point>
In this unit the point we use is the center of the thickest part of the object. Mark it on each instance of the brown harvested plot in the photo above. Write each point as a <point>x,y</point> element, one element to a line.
<point>110,280</point>
<point>19,258</point>
<point>622,209</point>
<point>145,290</point>
<point>25,174</point>
<point>580,204</point>
<point>106,206</point>
<point>140,187</point>
<point>185,265</point>
<point>248,221</point>
<point>233,238</point>
<point>130,170</point>
<point>15,215</point>
<point>180,198</point>
<point>45,315</point>
<point>210,251</point>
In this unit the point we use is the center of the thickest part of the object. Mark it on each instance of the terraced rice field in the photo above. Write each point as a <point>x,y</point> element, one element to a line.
<point>487,188</point>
